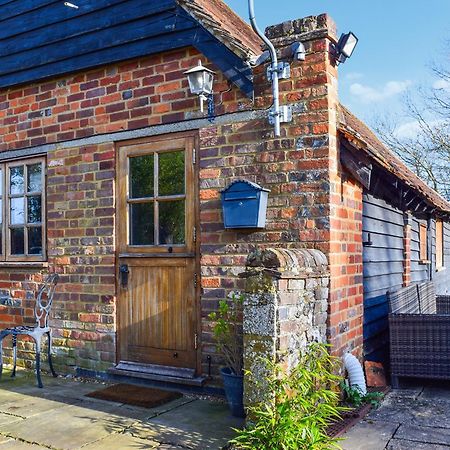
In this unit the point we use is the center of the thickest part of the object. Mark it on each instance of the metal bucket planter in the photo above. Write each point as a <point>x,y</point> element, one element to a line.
<point>234,391</point>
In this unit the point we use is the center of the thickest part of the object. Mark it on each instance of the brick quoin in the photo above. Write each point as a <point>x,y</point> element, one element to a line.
<point>312,204</point>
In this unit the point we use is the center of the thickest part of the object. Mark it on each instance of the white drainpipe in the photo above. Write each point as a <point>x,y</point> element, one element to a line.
<point>273,55</point>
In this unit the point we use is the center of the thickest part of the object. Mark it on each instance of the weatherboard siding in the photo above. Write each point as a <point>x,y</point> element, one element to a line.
<point>40,39</point>
<point>442,277</point>
<point>383,270</point>
<point>419,269</point>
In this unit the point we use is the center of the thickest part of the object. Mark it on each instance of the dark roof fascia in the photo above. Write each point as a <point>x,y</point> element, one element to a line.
<point>386,185</point>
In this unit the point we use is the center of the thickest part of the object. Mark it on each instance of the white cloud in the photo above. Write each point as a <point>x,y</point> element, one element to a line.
<point>367,94</point>
<point>352,76</point>
<point>442,84</point>
<point>410,130</point>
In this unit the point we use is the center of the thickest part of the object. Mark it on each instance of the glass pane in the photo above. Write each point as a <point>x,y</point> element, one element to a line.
<point>1,241</point>
<point>1,211</point>
<point>35,241</point>
<point>34,209</point>
<point>34,178</point>
<point>142,224</point>
<point>16,180</point>
<point>17,241</point>
<point>171,173</point>
<point>1,183</point>
<point>171,222</point>
<point>17,211</point>
<point>141,176</point>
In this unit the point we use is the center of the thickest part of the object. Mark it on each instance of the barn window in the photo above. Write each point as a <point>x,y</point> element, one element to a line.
<point>439,244</point>
<point>423,242</point>
<point>22,206</point>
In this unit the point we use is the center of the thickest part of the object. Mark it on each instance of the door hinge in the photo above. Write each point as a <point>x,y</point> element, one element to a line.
<point>195,279</point>
<point>194,156</point>
<point>196,341</point>
<point>194,233</point>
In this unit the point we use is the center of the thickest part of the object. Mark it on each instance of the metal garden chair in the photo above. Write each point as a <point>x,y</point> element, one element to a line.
<point>41,311</point>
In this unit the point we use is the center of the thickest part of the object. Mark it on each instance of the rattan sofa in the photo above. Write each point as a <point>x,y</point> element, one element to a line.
<point>419,330</point>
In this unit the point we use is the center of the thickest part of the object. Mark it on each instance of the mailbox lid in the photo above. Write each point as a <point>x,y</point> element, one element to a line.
<point>244,186</point>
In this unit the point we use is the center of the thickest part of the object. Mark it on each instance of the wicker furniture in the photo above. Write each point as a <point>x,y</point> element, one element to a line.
<point>419,328</point>
<point>41,312</point>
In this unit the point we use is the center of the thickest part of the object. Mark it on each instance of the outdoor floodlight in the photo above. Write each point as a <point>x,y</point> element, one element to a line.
<point>200,82</point>
<point>345,47</point>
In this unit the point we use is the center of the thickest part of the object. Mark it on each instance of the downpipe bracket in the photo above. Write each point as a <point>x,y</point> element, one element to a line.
<point>285,114</point>
<point>283,69</point>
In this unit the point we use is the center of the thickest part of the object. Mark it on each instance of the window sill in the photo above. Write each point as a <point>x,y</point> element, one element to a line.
<point>424,262</point>
<point>440,269</point>
<point>24,264</point>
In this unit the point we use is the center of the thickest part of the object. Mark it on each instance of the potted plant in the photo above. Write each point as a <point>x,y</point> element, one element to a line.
<point>228,334</point>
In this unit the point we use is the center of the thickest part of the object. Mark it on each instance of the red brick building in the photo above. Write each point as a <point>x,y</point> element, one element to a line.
<point>111,176</point>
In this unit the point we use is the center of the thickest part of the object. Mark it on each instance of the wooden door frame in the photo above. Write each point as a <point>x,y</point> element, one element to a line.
<point>196,213</point>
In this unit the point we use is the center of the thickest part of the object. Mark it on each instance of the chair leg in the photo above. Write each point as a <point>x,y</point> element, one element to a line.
<point>14,344</point>
<point>38,361</point>
<point>50,362</point>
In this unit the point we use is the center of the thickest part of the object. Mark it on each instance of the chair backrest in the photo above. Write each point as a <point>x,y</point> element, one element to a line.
<point>404,300</point>
<point>427,297</point>
<point>44,300</point>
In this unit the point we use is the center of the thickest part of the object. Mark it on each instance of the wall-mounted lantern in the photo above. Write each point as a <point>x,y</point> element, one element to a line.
<point>244,205</point>
<point>201,81</point>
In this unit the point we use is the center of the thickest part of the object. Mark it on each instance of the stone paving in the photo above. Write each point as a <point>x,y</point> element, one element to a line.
<point>414,418</point>
<point>59,416</point>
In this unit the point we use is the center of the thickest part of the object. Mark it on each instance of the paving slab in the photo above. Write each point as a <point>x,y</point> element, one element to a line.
<point>122,442</point>
<point>369,435</point>
<point>400,444</point>
<point>199,425</point>
<point>18,445</point>
<point>424,434</point>
<point>8,418</point>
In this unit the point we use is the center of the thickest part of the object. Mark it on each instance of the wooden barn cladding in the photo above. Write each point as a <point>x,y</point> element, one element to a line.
<point>40,38</point>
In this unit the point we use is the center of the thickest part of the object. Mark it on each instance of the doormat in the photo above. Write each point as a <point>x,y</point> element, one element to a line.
<point>135,395</point>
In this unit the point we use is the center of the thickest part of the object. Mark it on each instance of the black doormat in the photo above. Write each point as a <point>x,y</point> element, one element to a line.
<point>135,395</point>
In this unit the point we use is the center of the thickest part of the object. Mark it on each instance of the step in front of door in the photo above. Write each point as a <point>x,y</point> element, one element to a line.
<point>155,372</point>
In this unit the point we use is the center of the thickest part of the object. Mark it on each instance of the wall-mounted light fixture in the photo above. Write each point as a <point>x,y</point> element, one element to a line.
<point>201,81</point>
<point>345,47</point>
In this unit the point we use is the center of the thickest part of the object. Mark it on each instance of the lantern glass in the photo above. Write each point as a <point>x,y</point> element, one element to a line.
<point>196,82</point>
<point>208,82</point>
<point>348,44</point>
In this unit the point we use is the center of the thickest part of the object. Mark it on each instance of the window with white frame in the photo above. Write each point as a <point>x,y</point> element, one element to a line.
<point>22,206</point>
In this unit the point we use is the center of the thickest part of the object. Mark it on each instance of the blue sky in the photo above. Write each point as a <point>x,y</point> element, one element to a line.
<point>398,42</point>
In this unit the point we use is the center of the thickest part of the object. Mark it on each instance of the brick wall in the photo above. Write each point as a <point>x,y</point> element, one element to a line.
<point>134,94</point>
<point>346,267</point>
<point>300,169</point>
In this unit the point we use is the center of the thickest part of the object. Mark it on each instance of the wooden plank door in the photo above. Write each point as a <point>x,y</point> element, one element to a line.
<point>157,259</point>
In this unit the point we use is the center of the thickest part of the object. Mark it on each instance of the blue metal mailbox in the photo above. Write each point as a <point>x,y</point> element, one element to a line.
<point>244,205</point>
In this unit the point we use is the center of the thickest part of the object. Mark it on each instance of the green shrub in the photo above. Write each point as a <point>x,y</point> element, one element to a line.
<point>228,332</point>
<point>353,396</point>
<point>300,406</point>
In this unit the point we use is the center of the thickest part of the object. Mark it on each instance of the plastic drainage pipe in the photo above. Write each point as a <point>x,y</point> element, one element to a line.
<point>273,55</point>
<point>355,373</point>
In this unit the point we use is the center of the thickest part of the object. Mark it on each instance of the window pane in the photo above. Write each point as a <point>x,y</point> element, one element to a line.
<point>16,180</point>
<point>1,211</point>
<point>34,209</point>
<point>17,211</point>
<point>1,183</point>
<point>171,222</point>
<point>171,173</point>
<point>141,176</point>
<point>35,241</point>
<point>17,241</point>
<point>142,224</point>
<point>34,178</point>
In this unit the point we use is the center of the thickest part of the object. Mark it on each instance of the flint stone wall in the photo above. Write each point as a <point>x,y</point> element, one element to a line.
<point>285,308</point>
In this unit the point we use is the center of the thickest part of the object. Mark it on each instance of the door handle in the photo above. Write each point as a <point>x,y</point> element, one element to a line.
<point>124,271</point>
